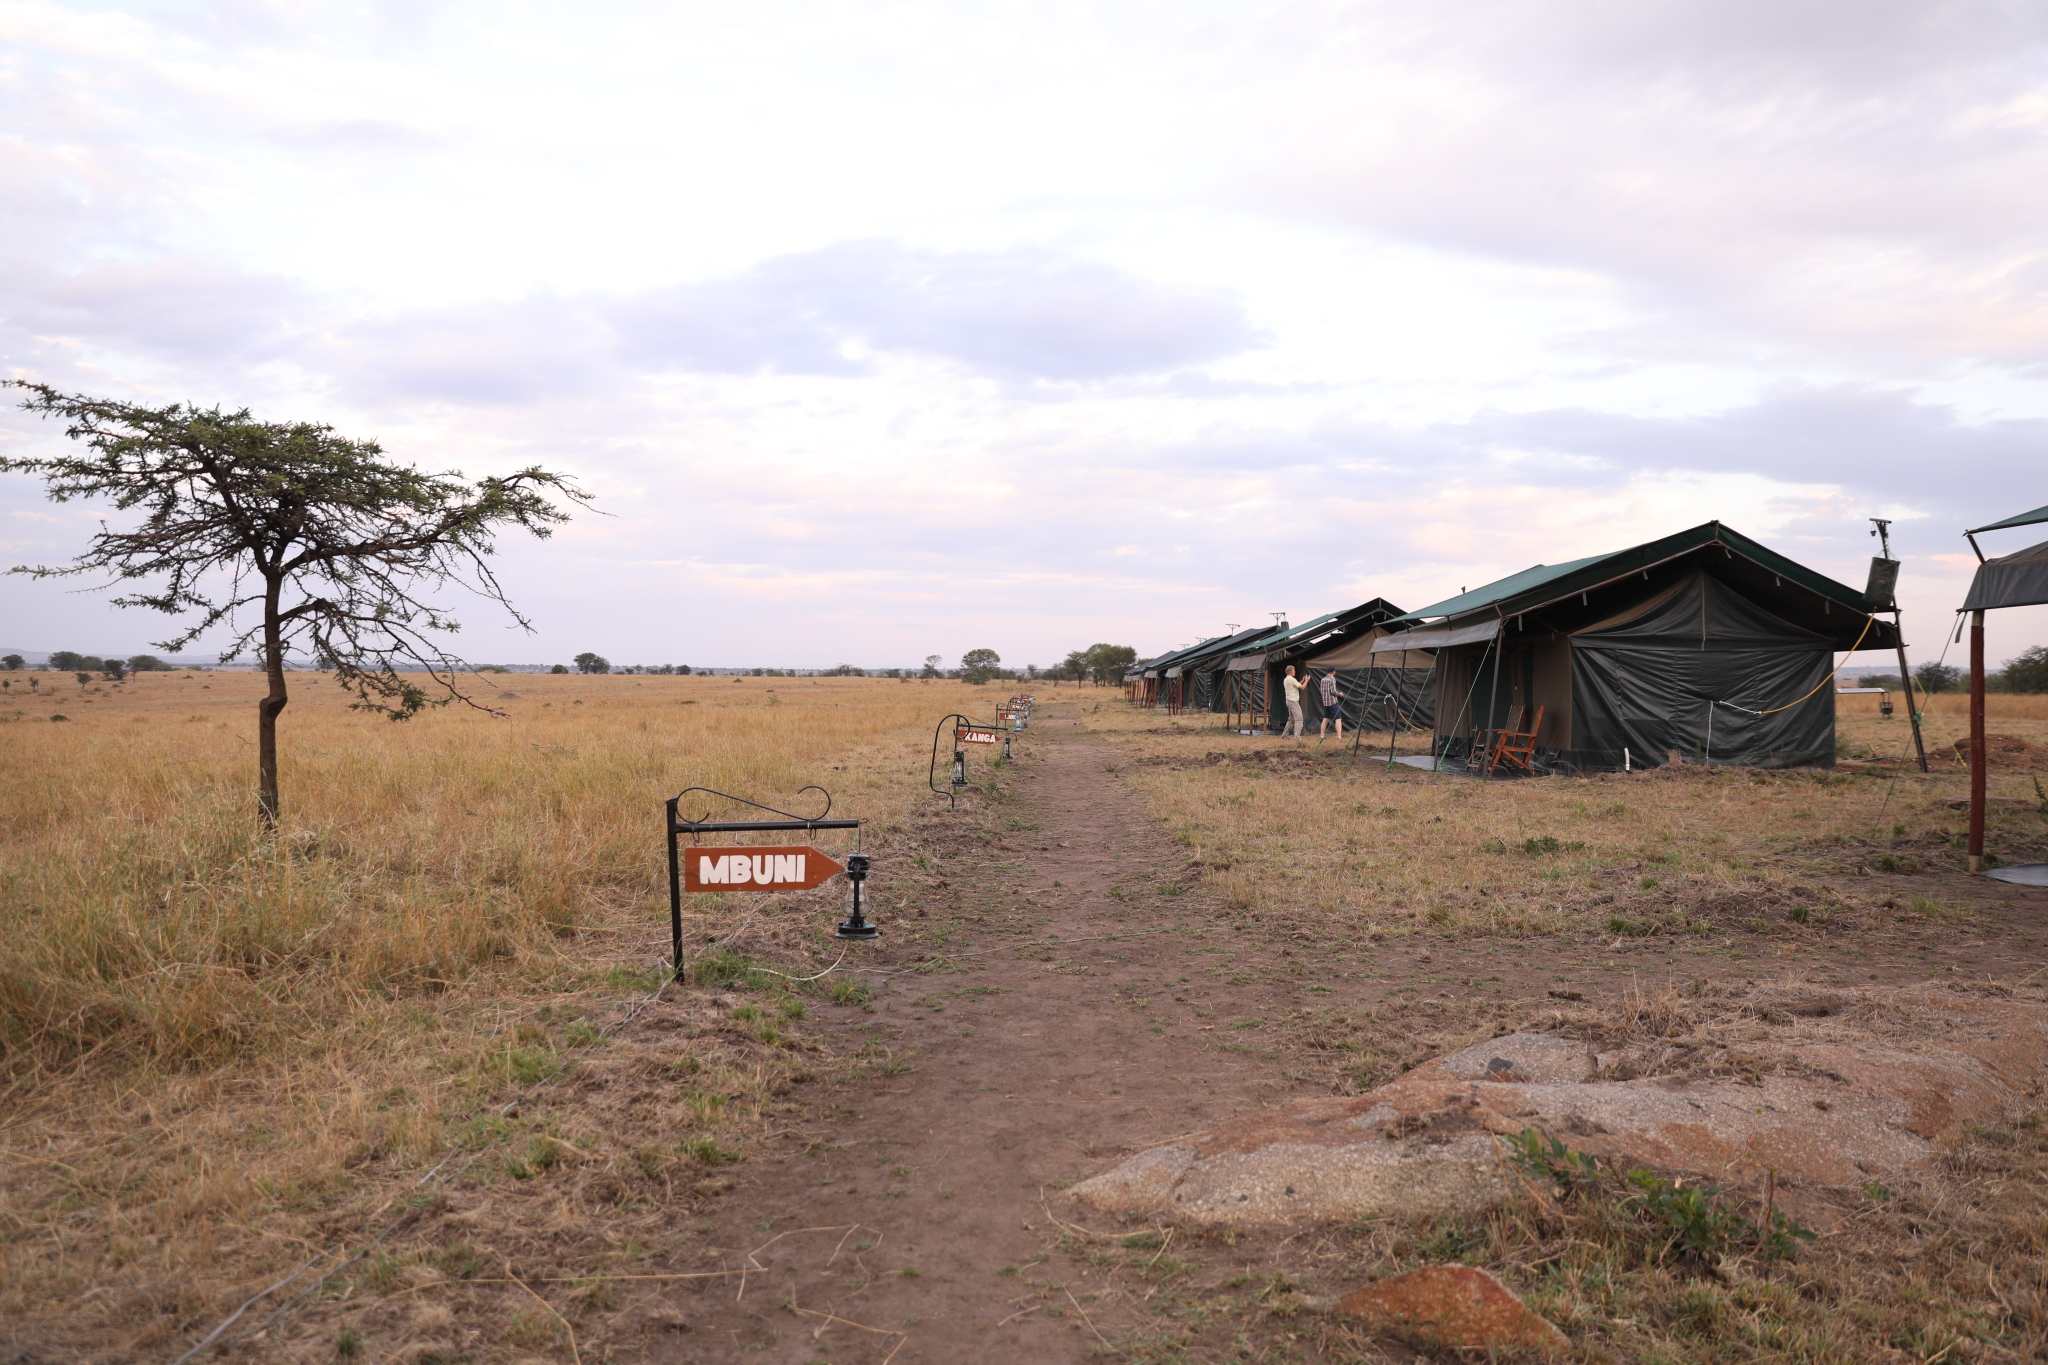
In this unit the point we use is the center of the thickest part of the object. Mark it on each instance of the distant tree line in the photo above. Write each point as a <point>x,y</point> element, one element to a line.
<point>1104,665</point>
<point>85,665</point>
<point>977,666</point>
<point>2025,672</point>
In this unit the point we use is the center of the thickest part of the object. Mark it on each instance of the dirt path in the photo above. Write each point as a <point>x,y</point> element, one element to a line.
<point>1025,1071</point>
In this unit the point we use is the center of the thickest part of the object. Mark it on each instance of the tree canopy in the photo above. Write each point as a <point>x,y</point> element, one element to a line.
<point>1108,663</point>
<point>287,535</point>
<point>977,666</point>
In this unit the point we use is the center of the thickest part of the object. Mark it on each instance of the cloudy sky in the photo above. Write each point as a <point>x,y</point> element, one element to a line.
<point>883,328</point>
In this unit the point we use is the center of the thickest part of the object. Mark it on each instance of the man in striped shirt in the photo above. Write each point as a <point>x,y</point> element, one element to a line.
<point>1333,706</point>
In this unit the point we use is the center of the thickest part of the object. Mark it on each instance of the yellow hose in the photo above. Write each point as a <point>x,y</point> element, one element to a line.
<point>1868,621</point>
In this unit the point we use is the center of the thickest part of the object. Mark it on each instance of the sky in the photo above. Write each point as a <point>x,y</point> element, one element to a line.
<point>887,329</point>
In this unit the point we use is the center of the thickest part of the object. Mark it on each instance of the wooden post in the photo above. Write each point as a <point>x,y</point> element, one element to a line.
<point>1979,760</point>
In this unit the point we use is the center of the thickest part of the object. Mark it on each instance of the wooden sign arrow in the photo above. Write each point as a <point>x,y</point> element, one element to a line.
<point>977,735</point>
<point>756,867</point>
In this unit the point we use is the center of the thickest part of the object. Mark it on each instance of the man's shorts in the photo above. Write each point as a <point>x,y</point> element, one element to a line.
<point>1334,711</point>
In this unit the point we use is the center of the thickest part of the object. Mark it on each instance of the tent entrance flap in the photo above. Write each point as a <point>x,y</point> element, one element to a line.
<point>1436,637</point>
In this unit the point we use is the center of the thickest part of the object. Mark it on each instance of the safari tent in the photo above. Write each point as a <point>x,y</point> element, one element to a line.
<point>1394,688</point>
<point>1704,645</point>
<point>1254,698</point>
<point>1165,682</point>
<point>1198,670</point>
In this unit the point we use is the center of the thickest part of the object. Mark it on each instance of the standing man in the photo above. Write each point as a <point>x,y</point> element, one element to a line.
<point>1295,725</point>
<point>1333,708</point>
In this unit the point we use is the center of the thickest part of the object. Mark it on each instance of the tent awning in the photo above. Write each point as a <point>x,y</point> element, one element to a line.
<point>1245,663</point>
<point>1173,672</point>
<point>2014,580</point>
<point>1436,637</point>
<point>1356,652</point>
<point>2023,519</point>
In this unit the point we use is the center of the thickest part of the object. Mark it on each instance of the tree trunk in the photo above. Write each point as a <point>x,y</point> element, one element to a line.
<point>267,710</point>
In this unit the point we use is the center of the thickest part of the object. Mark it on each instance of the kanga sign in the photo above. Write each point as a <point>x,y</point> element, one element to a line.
<point>756,867</point>
<point>977,735</point>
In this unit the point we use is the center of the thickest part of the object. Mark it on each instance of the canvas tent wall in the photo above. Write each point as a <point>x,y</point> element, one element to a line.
<point>1169,678</point>
<point>1396,686</point>
<point>1202,667</point>
<point>1704,644</point>
<point>1237,686</point>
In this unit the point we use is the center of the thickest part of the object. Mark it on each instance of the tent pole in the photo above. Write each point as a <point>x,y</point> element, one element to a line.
<point>1906,686</point>
<point>1977,755</point>
<point>1493,692</point>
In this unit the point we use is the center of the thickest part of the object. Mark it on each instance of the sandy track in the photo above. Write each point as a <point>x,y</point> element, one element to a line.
<point>1041,1064</point>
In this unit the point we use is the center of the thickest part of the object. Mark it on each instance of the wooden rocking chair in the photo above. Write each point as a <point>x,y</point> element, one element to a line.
<point>1515,745</point>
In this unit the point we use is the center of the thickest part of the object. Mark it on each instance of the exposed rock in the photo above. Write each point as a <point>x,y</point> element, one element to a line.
<point>1454,1306</point>
<point>1846,1085</point>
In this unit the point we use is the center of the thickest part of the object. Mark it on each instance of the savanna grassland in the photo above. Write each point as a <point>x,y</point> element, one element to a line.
<point>225,1052</point>
<point>1297,829</point>
<point>405,1060</point>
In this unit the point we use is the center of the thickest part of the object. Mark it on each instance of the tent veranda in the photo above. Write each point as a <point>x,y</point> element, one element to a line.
<point>2015,580</point>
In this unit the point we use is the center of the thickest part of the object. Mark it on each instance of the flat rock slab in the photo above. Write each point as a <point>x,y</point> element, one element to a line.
<point>1454,1306</point>
<point>1828,1086</point>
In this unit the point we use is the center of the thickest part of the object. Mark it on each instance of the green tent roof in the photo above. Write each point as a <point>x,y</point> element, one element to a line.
<point>2023,519</point>
<point>1544,583</point>
<point>1535,576</point>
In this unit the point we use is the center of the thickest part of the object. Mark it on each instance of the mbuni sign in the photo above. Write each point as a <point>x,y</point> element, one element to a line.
<point>760,868</point>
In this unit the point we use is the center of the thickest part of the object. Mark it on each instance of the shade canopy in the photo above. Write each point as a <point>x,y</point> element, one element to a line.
<point>2014,580</point>
<point>1363,651</point>
<point>1436,637</point>
<point>2023,519</point>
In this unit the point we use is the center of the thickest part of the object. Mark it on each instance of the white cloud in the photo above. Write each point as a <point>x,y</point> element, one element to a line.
<point>879,323</point>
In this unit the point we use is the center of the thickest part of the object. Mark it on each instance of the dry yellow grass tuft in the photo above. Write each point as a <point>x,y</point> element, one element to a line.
<point>208,1036</point>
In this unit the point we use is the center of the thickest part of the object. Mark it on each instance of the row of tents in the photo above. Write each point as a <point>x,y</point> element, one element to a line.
<point>1704,645</point>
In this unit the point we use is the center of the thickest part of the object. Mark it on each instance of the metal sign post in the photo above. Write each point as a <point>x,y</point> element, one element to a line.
<point>756,866</point>
<point>965,731</point>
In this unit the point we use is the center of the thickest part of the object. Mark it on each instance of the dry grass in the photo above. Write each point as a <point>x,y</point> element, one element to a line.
<point>1303,837</point>
<point>211,1040</point>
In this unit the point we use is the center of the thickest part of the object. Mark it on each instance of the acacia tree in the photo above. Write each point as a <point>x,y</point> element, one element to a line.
<point>979,665</point>
<point>288,535</point>
<point>1109,663</point>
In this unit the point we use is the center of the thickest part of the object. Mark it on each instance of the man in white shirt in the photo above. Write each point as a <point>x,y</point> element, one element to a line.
<point>1292,685</point>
